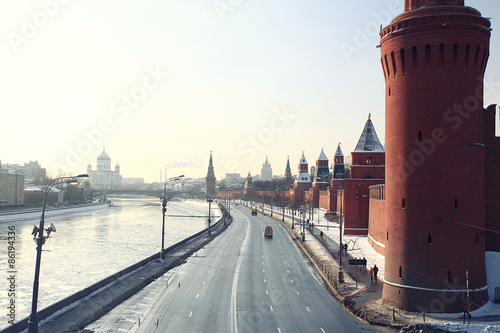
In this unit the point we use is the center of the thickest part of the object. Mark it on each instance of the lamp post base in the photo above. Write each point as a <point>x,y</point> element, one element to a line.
<point>33,323</point>
<point>163,254</point>
<point>341,275</point>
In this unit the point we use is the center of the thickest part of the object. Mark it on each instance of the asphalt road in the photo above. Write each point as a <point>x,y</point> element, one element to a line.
<point>240,282</point>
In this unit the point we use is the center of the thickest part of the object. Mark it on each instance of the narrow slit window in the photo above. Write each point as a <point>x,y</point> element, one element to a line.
<point>400,272</point>
<point>449,276</point>
<point>427,56</point>
<point>441,56</point>
<point>455,55</point>
<point>420,136</point>
<point>403,204</point>
<point>414,51</point>
<point>456,203</point>
<point>403,64</point>
<point>429,239</point>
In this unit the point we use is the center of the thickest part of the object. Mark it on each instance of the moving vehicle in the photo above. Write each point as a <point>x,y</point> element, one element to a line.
<point>268,231</point>
<point>254,211</point>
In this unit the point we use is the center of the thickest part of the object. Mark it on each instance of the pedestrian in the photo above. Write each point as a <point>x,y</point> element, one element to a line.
<point>345,247</point>
<point>371,274</point>
<point>321,234</point>
<point>364,264</point>
<point>375,271</point>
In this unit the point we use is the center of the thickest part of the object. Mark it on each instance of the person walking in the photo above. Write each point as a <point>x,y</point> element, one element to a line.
<point>375,271</point>
<point>371,274</point>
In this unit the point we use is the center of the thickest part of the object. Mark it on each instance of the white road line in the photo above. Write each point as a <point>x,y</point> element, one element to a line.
<point>208,272</point>
<point>291,280</point>
<point>263,270</point>
<point>288,271</point>
<point>190,314</point>
<point>271,307</point>
<point>279,331</point>
<point>130,320</point>
<point>267,293</point>
<point>298,293</point>
<point>197,295</point>
<point>322,330</point>
<point>203,282</point>
<point>264,280</point>
<point>308,309</point>
<point>234,289</point>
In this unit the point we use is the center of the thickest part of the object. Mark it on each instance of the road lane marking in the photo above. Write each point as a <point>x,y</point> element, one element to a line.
<point>298,293</point>
<point>197,295</point>
<point>203,282</point>
<point>264,280</point>
<point>267,293</point>
<point>308,309</point>
<point>288,271</point>
<point>291,280</point>
<point>271,308</point>
<point>279,331</point>
<point>322,330</point>
<point>234,288</point>
<point>190,314</point>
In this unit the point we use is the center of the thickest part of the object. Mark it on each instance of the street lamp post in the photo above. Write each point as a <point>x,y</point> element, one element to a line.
<point>40,240</point>
<point>164,210</point>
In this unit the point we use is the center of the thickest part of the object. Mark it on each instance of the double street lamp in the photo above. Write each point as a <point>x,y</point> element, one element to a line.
<point>164,210</point>
<point>40,240</point>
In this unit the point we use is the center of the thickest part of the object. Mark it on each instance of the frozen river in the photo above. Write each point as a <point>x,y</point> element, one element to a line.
<point>89,246</point>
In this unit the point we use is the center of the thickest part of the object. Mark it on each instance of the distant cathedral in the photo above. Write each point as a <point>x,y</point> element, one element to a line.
<point>266,171</point>
<point>103,178</point>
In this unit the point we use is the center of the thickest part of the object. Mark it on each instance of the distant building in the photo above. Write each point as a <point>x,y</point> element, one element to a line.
<point>34,172</point>
<point>266,171</point>
<point>103,178</point>
<point>11,188</point>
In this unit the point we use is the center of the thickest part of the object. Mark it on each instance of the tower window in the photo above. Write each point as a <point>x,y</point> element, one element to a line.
<point>402,53</point>
<point>357,197</point>
<point>403,204</point>
<point>429,239</point>
<point>414,51</point>
<point>387,235</point>
<point>368,160</point>
<point>467,54</point>
<point>394,68</point>
<point>420,136</point>
<point>449,276</point>
<point>441,55</point>
<point>455,55</point>
<point>387,66</point>
<point>456,203</point>
<point>400,272</point>
<point>477,238</point>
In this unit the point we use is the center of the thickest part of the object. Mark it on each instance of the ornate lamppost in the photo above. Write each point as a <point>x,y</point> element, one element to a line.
<point>40,240</point>
<point>164,210</point>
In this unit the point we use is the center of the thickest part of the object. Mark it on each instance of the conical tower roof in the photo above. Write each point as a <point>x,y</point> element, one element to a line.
<point>338,152</point>
<point>369,142</point>
<point>322,156</point>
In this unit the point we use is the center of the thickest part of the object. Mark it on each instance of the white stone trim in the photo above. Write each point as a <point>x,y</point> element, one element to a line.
<point>376,242</point>
<point>435,290</point>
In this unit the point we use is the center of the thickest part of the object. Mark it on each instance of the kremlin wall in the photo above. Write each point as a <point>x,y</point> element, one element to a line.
<point>428,201</point>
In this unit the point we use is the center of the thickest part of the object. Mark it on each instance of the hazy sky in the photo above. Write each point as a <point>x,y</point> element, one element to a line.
<point>163,83</point>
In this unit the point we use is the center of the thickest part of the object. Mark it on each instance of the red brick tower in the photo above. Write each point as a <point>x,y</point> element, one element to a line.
<point>210,179</point>
<point>433,57</point>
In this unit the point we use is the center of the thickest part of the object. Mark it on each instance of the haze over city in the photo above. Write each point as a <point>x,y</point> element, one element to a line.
<point>160,85</point>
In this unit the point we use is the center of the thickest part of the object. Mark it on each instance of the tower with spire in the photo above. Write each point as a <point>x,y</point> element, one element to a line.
<point>288,179</point>
<point>368,158</point>
<point>338,164</point>
<point>210,179</point>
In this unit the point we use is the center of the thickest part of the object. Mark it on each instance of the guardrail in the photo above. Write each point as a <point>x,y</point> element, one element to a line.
<point>65,302</point>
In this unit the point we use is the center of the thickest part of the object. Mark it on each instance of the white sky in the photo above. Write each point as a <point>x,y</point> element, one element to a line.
<point>241,78</point>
